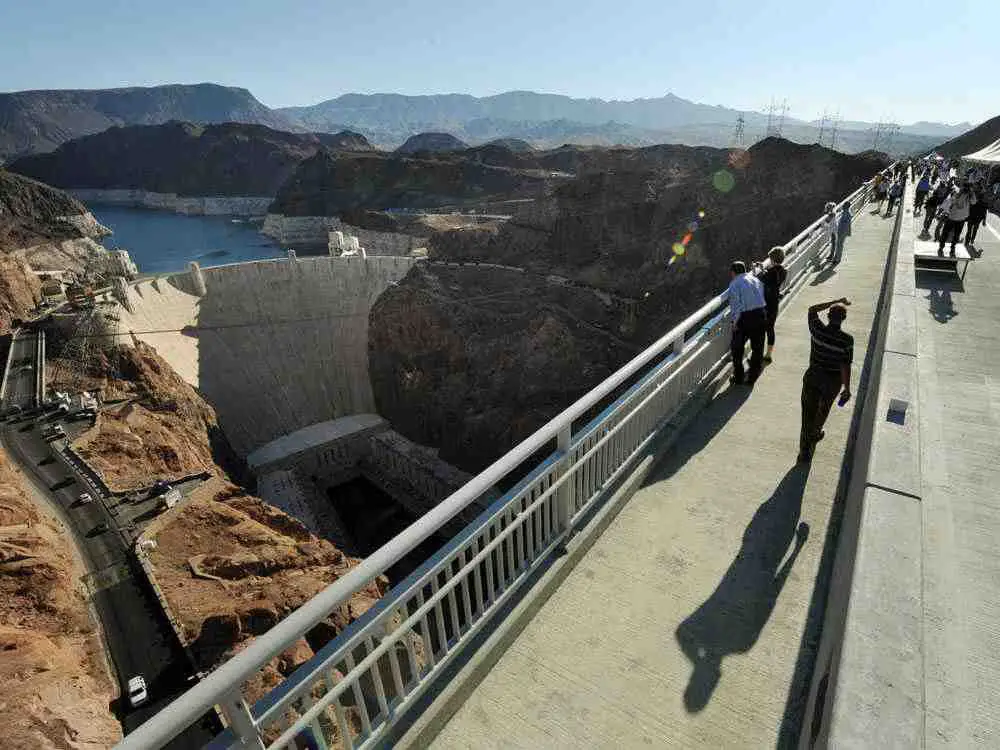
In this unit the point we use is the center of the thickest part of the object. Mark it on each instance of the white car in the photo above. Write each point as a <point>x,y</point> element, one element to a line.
<point>137,694</point>
<point>85,497</point>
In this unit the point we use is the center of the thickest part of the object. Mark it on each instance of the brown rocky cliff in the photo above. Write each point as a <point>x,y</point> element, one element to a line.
<point>464,360</point>
<point>56,685</point>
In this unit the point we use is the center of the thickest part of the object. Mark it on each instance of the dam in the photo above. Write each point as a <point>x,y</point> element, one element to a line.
<point>279,348</point>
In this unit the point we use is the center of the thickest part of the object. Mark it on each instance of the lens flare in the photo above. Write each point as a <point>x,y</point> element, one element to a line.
<point>723,181</point>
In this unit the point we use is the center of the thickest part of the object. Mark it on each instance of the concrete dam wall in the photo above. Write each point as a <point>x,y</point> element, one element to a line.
<point>273,345</point>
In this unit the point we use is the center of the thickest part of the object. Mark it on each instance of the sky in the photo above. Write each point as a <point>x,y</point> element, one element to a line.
<point>891,60</point>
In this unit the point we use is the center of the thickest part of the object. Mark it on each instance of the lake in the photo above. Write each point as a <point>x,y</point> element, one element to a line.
<point>164,242</point>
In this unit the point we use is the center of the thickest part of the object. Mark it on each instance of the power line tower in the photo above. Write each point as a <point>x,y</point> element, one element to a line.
<point>834,127</point>
<point>738,134</point>
<point>771,109</point>
<point>824,121</point>
<point>783,111</point>
<point>877,131</point>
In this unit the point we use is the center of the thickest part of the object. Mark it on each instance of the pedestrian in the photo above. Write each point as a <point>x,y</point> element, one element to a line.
<point>830,355</point>
<point>977,215</point>
<point>931,205</point>
<point>956,214</point>
<point>830,223</point>
<point>843,232</point>
<point>748,313</point>
<point>772,275</point>
<point>895,194</point>
<point>923,188</point>
<point>880,192</point>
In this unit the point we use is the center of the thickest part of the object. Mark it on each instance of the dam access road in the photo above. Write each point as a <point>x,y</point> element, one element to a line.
<point>135,630</point>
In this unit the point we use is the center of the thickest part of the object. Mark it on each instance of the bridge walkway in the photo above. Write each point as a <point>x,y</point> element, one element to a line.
<point>922,646</point>
<point>685,624</point>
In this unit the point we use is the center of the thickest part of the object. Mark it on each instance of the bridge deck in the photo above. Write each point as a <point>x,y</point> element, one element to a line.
<point>683,625</point>
<point>958,387</point>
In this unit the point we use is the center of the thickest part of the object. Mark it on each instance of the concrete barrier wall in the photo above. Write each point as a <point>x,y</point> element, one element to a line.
<point>219,205</point>
<point>273,345</point>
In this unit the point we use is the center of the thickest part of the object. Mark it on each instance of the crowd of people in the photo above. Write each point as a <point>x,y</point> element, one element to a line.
<point>950,203</point>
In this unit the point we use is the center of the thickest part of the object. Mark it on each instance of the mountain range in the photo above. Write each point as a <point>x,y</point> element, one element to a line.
<point>39,121</point>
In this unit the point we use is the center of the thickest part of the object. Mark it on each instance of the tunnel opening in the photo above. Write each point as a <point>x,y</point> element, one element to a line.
<point>372,517</point>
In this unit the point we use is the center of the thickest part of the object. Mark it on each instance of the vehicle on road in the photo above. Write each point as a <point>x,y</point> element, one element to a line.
<point>170,499</point>
<point>86,497</point>
<point>99,528</point>
<point>54,433</point>
<point>137,694</point>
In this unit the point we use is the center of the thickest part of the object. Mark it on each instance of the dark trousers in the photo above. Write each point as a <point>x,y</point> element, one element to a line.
<point>953,229</point>
<point>819,390</point>
<point>750,327</point>
<point>772,316</point>
<point>929,211</point>
<point>918,200</point>
<point>972,229</point>
<point>892,204</point>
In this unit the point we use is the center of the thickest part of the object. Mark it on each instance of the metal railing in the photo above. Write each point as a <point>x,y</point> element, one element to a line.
<point>358,685</point>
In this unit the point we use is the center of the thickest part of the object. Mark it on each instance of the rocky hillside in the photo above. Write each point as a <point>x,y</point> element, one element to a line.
<point>230,565</point>
<point>432,143</point>
<point>36,220</point>
<point>56,685</point>
<point>472,360</point>
<point>980,136</point>
<point>38,121</point>
<point>231,159</point>
<point>331,183</point>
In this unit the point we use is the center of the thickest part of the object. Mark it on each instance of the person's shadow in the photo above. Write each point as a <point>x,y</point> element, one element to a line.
<point>942,307</point>
<point>732,618</point>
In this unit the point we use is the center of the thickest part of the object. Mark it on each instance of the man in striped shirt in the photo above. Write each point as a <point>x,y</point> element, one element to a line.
<point>830,357</point>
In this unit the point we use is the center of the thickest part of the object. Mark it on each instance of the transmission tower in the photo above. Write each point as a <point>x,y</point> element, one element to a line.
<point>781,117</point>
<point>834,127</point>
<point>822,127</point>
<point>771,108</point>
<point>738,135</point>
<point>877,132</point>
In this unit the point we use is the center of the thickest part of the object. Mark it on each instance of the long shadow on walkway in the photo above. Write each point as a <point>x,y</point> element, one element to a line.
<point>696,436</point>
<point>732,618</point>
<point>939,288</point>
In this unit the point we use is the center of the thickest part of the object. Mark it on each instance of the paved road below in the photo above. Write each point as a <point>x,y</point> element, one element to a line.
<point>136,631</point>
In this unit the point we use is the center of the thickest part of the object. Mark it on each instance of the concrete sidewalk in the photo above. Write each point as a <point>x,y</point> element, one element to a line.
<point>958,369</point>
<point>683,626</point>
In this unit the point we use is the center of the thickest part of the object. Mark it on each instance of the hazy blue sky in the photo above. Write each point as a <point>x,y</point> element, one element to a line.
<point>871,58</point>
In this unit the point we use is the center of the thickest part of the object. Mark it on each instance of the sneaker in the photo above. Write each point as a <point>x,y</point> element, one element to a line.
<point>941,252</point>
<point>767,359</point>
<point>820,435</point>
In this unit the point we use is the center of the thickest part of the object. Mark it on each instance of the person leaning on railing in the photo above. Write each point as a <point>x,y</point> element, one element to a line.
<point>748,312</point>
<point>772,275</point>
<point>830,355</point>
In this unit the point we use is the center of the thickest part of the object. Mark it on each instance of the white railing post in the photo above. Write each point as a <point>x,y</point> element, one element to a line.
<point>565,492</point>
<point>240,720</point>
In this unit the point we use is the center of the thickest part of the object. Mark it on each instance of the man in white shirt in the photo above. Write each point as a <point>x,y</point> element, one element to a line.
<point>748,312</point>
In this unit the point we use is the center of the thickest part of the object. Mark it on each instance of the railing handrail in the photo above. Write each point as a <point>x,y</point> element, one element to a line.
<point>189,707</point>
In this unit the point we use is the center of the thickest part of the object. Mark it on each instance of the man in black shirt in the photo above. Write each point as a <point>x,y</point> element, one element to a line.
<point>830,357</point>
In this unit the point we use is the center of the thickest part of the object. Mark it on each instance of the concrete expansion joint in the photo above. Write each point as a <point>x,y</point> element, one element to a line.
<point>892,490</point>
<point>901,353</point>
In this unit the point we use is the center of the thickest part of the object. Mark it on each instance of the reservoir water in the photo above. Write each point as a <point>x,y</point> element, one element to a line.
<point>164,242</point>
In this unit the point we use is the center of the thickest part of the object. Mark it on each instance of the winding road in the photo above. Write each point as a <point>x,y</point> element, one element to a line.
<point>136,632</point>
